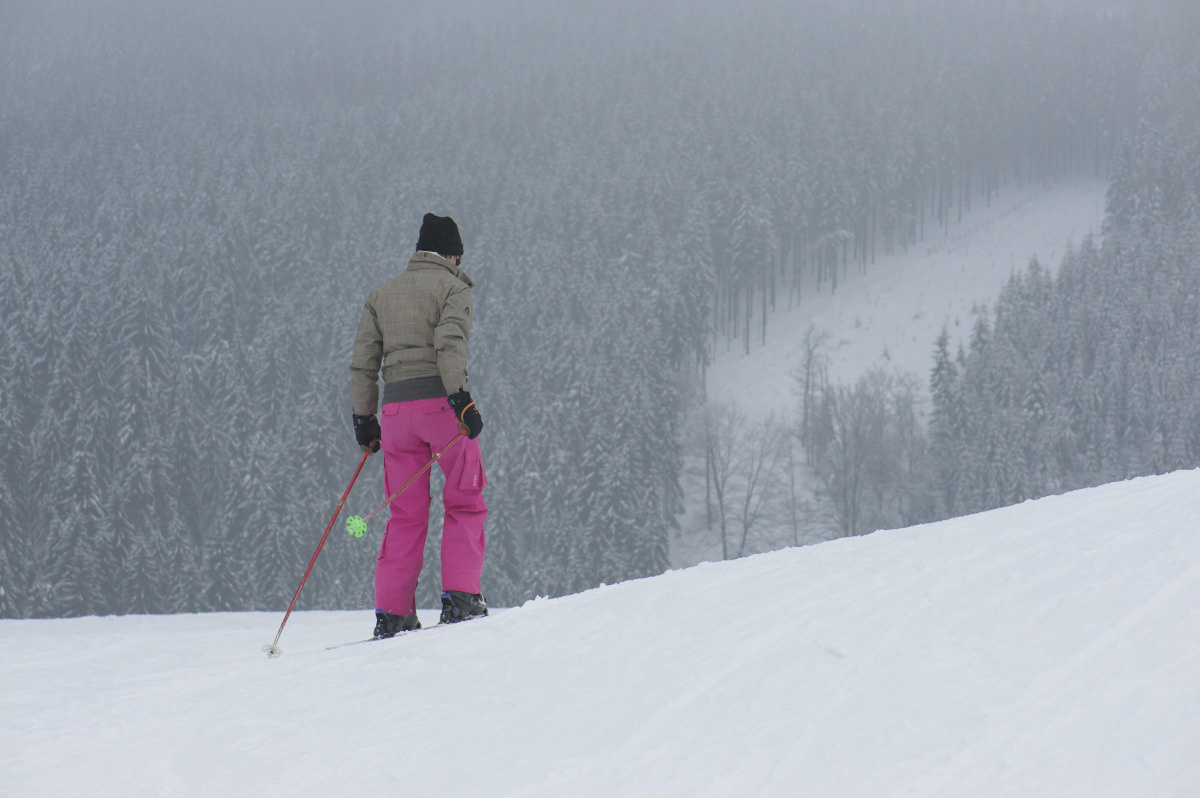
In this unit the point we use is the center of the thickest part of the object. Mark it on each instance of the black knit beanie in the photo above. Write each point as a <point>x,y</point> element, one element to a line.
<point>439,234</point>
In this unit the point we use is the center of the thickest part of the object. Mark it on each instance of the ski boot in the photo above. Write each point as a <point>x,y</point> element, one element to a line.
<point>459,606</point>
<point>388,625</point>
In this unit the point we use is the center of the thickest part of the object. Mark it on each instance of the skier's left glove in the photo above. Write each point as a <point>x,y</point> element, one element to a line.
<point>467,413</point>
<point>366,432</point>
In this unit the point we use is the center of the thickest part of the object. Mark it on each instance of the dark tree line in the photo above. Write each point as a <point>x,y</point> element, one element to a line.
<point>1091,375</point>
<point>195,199</point>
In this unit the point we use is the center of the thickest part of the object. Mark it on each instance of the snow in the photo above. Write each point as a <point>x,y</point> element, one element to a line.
<point>1044,649</point>
<point>1049,648</point>
<point>891,315</point>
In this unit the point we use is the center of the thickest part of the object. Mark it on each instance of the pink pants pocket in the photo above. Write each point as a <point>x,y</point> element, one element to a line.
<point>472,477</point>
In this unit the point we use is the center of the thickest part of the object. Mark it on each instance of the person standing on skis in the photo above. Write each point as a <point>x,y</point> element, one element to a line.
<point>415,329</point>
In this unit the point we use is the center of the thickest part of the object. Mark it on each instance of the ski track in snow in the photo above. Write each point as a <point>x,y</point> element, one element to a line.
<point>1050,648</point>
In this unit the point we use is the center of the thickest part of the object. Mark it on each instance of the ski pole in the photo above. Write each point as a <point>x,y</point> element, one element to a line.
<point>272,649</point>
<point>436,456</point>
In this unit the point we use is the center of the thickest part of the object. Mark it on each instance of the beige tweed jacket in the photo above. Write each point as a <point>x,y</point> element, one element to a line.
<point>413,326</point>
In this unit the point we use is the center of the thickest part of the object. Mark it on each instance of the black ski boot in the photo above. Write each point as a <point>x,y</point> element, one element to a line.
<point>459,606</point>
<point>388,625</point>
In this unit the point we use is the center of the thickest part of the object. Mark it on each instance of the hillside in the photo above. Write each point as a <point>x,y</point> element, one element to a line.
<point>891,315</point>
<point>887,317</point>
<point>1043,649</point>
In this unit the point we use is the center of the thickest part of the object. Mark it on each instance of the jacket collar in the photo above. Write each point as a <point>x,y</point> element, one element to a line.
<point>432,260</point>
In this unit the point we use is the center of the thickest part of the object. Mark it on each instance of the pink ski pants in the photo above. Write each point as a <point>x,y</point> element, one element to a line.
<point>412,432</point>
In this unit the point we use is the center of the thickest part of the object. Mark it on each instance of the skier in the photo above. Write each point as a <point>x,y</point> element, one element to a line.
<point>415,328</point>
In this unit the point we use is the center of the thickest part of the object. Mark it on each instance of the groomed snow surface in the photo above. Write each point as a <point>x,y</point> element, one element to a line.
<point>1051,648</point>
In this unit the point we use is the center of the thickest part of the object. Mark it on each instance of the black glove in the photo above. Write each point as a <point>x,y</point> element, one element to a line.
<point>466,413</point>
<point>366,432</point>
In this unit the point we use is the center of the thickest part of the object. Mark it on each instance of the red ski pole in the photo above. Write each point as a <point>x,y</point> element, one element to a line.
<point>272,649</point>
<point>436,456</point>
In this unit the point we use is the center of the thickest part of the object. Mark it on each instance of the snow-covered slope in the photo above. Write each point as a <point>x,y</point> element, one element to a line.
<point>1050,648</point>
<point>891,315</point>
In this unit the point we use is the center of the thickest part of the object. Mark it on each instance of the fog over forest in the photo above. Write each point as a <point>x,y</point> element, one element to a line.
<point>196,198</point>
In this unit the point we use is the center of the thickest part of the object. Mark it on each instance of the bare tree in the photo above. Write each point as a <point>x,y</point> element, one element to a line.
<point>722,428</point>
<point>811,376</point>
<point>746,476</point>
<point>870,452</point>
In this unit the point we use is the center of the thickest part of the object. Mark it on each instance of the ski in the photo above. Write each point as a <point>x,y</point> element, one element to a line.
<point>398,634</point>
<point>354,643</point>
<point>374,639</point>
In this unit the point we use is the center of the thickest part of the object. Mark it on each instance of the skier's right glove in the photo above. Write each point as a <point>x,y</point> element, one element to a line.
<point>467,413</point>
<point>366,432</point>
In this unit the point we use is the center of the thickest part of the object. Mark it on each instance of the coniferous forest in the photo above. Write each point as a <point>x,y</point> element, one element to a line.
<point>195,200</point>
